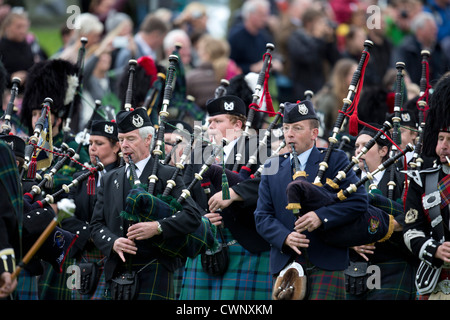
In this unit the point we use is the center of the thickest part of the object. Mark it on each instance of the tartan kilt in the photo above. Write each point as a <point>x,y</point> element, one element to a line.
<point>396,282</point>
<point>248,277</point>
<point>155,282</point>
<point>53,285</point>
<point>27,286</point>
<point>93,255</point>
<point>326,285</point>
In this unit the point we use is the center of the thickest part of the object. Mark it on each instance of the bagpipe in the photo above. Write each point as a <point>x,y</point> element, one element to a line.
<point>42,237</point>
<point>142,205</point>
<point>80,68</point>
<point>6,126</point>
<point>47,179</point>
<point>422,107</point>
<point>260,88</point>
<point>158,150</point>
<point>183,105</point>
<point>82,138</point>
<point>349,105</point>
<point>396,135</point>
<point>38,139</point>
<point>376,224</point>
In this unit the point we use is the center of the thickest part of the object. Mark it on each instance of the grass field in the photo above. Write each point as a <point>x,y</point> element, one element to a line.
<point>49,39</point>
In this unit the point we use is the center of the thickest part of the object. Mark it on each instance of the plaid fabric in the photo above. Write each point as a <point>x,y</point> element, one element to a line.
<point>93,255</point>
<point>141,206</point>
<point>397,282</point>
<point>247,278</point>
<point>391,207</point>
<point>9,176</point>
<point>179,100</point>
<point>326,285</point>
<point>444,189</point>
<point>154,282</point>
<point>64,175</point>
<point>53,285</point>
<point>27,286</point>
<point>177,282</point>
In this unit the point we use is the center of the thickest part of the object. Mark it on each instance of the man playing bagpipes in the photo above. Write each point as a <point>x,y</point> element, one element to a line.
<point>134,267</point>
<point>246,276</point>
<point>303,239</point>
<point>426,231</point>
<point>58,80</point>
<point>33,223</point>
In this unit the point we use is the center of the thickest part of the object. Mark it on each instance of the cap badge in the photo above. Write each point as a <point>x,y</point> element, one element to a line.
<point>228,106</point>
<point>109,129</point>
<point>302,109</point>
<point>137,121</point>
<point>406,117</point>
<point>10,144</point>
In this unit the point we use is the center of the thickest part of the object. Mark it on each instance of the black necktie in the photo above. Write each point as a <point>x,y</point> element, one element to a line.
<point>130,177</point>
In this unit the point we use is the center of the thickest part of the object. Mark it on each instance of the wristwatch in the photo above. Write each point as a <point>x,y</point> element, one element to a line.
<point>159,227</point>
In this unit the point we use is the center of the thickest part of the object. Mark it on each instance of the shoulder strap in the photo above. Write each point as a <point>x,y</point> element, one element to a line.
<point>431,201</point>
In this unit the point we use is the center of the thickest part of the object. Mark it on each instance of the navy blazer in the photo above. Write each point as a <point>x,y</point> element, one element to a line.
<point>274,222</point>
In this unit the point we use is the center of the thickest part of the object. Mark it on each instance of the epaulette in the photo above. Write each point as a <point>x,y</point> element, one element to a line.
<point>416,174</point>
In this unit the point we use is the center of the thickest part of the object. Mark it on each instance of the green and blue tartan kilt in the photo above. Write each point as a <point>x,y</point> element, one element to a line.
<point>27,286</point>
<point>95,256</point>
<point>155,282</point>
<point>248,277</point>
<point>53,285</point>
<point>177,281</point>
<point>396,282</point>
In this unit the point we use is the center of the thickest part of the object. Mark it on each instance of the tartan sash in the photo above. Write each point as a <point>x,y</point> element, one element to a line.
<point>444,190</point>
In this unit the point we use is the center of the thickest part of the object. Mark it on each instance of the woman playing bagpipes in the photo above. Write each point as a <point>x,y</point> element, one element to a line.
<point>103,147</point>
<point>397,265</point>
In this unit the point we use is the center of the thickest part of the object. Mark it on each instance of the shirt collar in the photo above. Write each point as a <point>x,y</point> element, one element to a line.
<point>303,158</point>
<point>376,177</point>
<point>140,165</point>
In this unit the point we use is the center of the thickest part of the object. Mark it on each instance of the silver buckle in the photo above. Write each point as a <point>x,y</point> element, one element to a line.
<point>443,286</point>
<point>431,200</point>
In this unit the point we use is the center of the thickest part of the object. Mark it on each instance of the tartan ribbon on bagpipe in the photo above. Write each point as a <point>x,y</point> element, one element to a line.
<point>389,206</point>
<point>141,206</point>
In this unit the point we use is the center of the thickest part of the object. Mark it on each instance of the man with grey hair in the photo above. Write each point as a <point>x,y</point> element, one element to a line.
<point>423,37</point>
<point>86,26</point>
<point>178,37</point>
<point>248,38</point>
<point>130,247</point>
